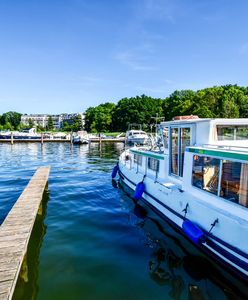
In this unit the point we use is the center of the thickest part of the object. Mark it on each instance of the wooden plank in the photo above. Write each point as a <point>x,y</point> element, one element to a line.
<point>16,230</point>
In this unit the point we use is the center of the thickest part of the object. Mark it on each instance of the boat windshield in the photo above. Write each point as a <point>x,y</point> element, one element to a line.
<point>138,133</point>
<point>232,132</point>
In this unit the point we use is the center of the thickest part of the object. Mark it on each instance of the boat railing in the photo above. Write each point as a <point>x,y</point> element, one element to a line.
<point>226,147</point>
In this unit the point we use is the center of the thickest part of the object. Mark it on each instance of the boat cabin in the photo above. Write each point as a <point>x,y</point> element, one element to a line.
<point>179,134</point>
<point>210,155</point>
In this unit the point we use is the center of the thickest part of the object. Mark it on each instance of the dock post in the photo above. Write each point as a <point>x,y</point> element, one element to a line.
<point>71,138</point>
<point>42,138</point>
<point>12,138</point>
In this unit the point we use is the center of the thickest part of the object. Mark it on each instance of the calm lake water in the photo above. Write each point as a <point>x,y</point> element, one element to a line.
<point>93,242</point>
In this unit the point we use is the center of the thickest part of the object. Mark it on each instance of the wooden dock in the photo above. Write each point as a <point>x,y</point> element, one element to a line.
<point>92,140</point>
<point>107,140</point>
<point>16,229</point>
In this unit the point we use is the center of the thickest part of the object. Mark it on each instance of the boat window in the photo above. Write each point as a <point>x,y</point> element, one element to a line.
<point>174,151</point>
<point>206,173</point>
<point>180,139</point>
<point>185,142</point>
<point>232,132</point>
<point>138,159</point>
<point>166,137</point>
<point>234,182</point>
<point>153,164</point>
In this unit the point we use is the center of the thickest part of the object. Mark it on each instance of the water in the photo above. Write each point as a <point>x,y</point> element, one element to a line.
<point>92,242</point>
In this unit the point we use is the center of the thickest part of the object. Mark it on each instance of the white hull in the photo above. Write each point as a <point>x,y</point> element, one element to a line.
<point>171,204</point>
<point>140,141</point>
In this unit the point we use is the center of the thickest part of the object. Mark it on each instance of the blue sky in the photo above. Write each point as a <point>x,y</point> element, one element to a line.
<point>67,55</point>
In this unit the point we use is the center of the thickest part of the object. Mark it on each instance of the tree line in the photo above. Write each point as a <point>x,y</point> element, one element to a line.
<point>228,101</point>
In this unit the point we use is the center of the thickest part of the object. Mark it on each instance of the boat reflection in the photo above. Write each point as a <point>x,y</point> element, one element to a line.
<point>176,264</point>
<point>27,283</point>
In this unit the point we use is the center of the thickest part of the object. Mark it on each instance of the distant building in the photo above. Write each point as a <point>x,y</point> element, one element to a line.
<point>42,119</point>
<point>68,118</point>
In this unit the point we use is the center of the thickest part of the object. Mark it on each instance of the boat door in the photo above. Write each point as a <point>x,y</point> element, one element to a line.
<point>180,137</point>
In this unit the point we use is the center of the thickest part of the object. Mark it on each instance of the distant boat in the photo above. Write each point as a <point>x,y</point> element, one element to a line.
<point>135,135</point>
<point>139,137</point>
<point>81,138</point>
<point>24,134</point>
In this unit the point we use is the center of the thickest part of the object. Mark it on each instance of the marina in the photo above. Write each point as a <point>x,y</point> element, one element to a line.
<point>123,150</point>
<point>91,233</point>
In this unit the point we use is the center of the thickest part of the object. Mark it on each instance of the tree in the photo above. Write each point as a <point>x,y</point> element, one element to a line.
<point>40,128</point>
<point>11,118</point>
<point>50,125</point>
<point>99,118</point>
<point>139,110</point>
<point>77,123</point>
<point>179,103</point>
<point>30,123</point>
<point>66,127</point>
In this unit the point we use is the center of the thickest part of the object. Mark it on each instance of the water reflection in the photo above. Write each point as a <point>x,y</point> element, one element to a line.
<point>27,283</point>
<point>177,265</point>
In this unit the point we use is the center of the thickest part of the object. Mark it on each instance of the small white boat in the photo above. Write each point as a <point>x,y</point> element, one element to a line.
<point>81,138</point>
<point>139,137</point>
<point>198,182</point>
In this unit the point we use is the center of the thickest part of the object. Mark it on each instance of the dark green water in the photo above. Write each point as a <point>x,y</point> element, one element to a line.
<point>92,242</point>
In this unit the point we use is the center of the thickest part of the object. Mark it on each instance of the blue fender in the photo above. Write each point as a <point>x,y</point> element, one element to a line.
<point>193,231</point>
<point>139,190</point>
<point>115,171</point>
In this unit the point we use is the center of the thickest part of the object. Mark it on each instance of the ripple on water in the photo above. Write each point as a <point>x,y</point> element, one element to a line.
<point>91,242</point>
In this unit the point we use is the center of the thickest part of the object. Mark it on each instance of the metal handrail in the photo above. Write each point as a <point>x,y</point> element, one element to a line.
<point>226,147</point>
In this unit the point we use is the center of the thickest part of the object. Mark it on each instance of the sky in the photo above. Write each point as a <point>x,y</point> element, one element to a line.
<point>60,56</point>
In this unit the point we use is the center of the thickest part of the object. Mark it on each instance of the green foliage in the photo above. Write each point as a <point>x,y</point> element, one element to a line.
<point>50,123</point>
<point>10,120</point>
<point>40,128</point>
<point>99,118</point>
<point>30,123</point>
<point>178,103</point>
<point>66,127</point>
<point>140,110</point>
<point>228,101</point>
<point>76,124</point>
<point>21,126</point>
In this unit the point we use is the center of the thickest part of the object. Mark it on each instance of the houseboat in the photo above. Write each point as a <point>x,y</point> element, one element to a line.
<point>196,177</point>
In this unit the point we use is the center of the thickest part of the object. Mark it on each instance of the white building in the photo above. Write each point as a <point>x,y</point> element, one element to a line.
<point>42,119</point>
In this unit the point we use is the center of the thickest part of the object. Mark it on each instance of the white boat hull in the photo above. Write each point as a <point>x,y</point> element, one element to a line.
<point>170,202</point>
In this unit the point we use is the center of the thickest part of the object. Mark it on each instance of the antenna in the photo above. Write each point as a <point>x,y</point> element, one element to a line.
<point>157,118</point>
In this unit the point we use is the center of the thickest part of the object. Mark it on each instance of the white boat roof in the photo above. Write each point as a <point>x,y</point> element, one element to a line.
<point>136,131</point>
<point>219,121</point>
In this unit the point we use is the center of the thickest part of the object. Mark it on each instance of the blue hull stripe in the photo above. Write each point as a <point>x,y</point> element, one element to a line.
<point>213,245</point>
<point>205,250</point>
